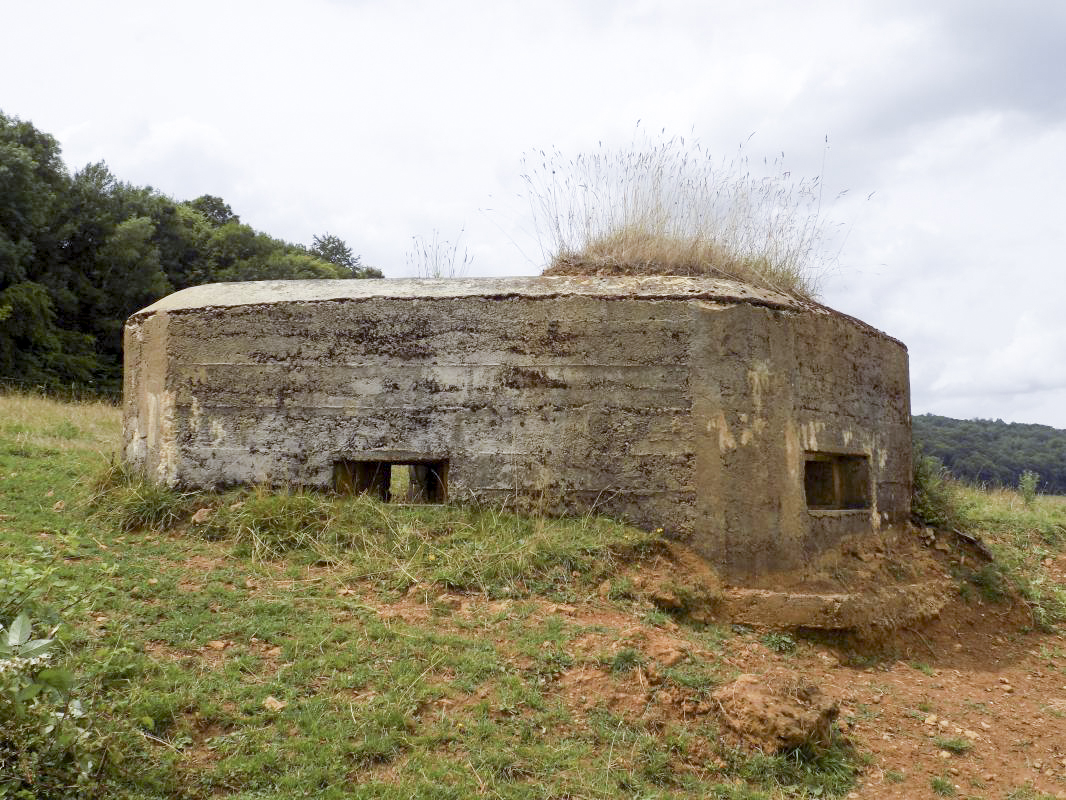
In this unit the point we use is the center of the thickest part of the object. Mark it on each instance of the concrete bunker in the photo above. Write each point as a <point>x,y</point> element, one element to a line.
<point>759,429</point>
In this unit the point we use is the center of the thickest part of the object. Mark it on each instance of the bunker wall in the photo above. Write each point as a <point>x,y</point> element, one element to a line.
<point>762,433</point>
<point>571,402</point>
<point>773,391</point>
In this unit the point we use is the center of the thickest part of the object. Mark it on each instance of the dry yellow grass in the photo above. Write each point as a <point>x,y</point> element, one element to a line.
<point>666,207</point>
<point>38,421</point>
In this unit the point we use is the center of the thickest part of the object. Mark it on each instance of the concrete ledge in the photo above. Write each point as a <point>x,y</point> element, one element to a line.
<point>886,607</point>
<point>647,287</point>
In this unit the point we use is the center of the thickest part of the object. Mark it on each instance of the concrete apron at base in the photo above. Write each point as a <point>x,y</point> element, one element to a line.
<point>875,608</point>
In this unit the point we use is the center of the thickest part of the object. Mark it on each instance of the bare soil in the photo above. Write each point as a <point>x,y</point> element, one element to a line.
<point>975,696</point>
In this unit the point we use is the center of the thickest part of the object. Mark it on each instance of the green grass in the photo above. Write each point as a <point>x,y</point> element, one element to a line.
<point>943,787</point>
<point>1021,536</point>
<point>957,745</point>
<point>294,644</point>
<point>1028,793</point>
<point>1020,532</point>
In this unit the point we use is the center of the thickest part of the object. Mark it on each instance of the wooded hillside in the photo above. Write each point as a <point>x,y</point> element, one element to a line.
<point>993,451</point>
<point>80,252</point>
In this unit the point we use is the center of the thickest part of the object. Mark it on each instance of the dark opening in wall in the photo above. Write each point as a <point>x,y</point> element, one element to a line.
<point>403,481</point>
<point>837,481</point>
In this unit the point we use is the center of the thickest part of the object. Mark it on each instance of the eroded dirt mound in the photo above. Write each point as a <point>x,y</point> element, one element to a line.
<point>776,711</point>
<point>874,583</point>
<point>677,580</point>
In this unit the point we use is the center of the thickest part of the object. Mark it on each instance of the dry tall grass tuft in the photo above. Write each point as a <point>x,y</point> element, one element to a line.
<point>667,207</point>
<point>438,258</point>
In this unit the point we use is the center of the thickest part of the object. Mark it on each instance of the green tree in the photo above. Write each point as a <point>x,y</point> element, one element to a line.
<point>33,181</point>
<point>33,349</point>
<point>998,452</point>
<point>336,251</point>
<point>214,209</point>
<point>80,253</point>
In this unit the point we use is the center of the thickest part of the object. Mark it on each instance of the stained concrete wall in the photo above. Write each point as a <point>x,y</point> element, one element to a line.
<point>684,404</point>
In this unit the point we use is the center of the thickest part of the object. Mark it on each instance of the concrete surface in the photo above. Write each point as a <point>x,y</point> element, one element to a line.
<point>687,404</point>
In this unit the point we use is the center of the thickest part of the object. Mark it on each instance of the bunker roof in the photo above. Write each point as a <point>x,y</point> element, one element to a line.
<point>653,287</point>
<point>540,287</point>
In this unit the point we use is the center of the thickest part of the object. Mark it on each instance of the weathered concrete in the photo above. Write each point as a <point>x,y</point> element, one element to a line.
<point>696,406</point>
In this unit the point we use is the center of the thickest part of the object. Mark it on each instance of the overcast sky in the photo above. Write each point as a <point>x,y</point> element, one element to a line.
<point>381,120</point>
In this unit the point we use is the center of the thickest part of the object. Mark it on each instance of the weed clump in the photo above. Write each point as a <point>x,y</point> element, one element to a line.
<point>936,500</point>
<point>667,207</point>
<point>828,771</point>
<point>956,745</point>
<point>1027,485</point>
<point>132,502</point>
<point>267,524</point>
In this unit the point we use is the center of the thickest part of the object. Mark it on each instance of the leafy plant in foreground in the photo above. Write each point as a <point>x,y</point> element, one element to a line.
<point>47,743</point>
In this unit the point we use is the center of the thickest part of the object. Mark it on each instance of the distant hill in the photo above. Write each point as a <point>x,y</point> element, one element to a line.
<point>993,451</point>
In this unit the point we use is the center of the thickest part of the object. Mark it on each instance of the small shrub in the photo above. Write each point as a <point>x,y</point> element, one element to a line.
<point>626,659</point>
<point>936,500</point>
<point>779,642</point>
<point>991,583</point>
<point>24,584</point>
<point>1027,485</point>
<point>49,744</point>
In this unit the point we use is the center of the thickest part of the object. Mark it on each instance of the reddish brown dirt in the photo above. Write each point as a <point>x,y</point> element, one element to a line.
<point>776,710</point>
<point>972,675</point>
<point>977,678</point>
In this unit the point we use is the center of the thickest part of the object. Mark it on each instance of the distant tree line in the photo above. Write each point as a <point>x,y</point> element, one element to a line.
<point>995,452</point>
<point>80,252</point>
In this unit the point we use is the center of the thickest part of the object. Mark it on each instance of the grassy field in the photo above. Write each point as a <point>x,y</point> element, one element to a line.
<point>255,644</point>
<point>298,645</point>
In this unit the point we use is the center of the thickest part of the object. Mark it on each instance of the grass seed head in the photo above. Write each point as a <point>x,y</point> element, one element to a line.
<point>666,207</point>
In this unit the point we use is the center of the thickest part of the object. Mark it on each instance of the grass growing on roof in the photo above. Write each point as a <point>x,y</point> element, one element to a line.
<point>666,206</point>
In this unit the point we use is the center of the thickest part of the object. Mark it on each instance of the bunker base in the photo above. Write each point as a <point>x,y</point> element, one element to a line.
<point>876,583</point>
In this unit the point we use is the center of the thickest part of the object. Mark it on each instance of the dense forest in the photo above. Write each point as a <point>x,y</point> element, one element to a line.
<point>80,252</point>
<point>995,452</point>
